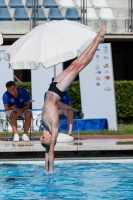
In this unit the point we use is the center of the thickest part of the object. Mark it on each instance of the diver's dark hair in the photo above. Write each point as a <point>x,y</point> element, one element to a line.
<point>46,147</point>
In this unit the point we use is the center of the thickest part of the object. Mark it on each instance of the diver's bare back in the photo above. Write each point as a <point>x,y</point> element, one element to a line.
<point>50,112</point>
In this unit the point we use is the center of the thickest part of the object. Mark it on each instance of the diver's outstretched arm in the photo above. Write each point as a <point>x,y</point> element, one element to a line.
<point>46,162</point>
<point>54,133</point>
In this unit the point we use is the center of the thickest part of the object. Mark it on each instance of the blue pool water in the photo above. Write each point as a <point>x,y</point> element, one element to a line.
<point>85,181</point>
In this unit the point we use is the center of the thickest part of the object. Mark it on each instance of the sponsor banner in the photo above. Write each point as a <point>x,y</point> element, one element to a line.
<point>97,87</point>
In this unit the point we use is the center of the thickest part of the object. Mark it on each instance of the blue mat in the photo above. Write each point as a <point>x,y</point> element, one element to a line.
<point>84,124</point>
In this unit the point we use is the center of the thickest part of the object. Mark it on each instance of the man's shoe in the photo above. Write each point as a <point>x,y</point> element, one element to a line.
<point>25,138</point>
<point>16,137</point>
<point>79,114</point>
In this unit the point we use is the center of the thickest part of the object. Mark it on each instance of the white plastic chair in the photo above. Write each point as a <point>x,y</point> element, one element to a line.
<point>106,14</point>
<point>91,14</point>
<point>100,4</point>
<point>66,3</point>
<point>78,3</point>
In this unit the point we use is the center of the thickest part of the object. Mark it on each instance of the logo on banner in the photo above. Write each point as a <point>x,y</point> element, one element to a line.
<point>2,51</point>
<point>106,57</point>
<point>107,88</point>
<point>107,78</point>
<point>105,48</point>
<point>97,84</point>
<point>98,72</point>
<point>106,72</point>
<point>97,57</point>
<point>97,67</point>
<point>12,100</point>
<point>98,78</point>
<point>98,49</point>
<point>106,65</point>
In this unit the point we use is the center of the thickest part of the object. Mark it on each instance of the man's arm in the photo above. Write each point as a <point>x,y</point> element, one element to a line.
<point>14,108</point>
<point>63,106</point>
<point>18,111</point>
<point>26,107</point>
<point>6,103</point>
<point>70,104</point>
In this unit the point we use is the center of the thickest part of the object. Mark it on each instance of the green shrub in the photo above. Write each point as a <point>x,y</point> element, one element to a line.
<point>26,85</point>
<point>124,100</point>
<point>74,91</point>
<point>123,95</point>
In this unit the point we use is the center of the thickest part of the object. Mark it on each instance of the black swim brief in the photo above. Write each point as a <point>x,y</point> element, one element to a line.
<point>54,89</point>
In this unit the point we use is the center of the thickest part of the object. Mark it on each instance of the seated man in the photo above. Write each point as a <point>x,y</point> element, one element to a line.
<point>16,102</point>
<point>64,110</point>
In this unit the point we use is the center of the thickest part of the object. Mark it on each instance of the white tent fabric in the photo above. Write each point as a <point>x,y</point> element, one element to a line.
<point>1,39</point>
<point>49,44</point>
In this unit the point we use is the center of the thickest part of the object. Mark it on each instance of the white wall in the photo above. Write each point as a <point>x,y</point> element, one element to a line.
<point>41,79</point>
<point>6,73</point>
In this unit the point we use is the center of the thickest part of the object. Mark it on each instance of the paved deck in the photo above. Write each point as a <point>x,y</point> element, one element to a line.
<point>86,143</point>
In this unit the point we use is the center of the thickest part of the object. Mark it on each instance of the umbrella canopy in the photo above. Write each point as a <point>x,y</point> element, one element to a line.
<point>1,39</point>
<point>49,44</point>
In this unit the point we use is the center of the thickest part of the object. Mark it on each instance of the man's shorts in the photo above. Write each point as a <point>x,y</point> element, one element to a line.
<point>8,113</point>
<point>62,112</point>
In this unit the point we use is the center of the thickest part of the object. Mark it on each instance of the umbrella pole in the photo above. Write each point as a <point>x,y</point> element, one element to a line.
<point>54,71</point>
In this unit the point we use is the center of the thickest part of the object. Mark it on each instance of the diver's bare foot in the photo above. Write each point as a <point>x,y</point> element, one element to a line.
<point>102,32</point>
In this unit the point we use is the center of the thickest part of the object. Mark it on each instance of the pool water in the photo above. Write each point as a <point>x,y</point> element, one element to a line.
<point>85,181</point>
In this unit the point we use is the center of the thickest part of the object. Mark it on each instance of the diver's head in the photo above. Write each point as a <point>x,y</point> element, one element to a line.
<point>46,137</point>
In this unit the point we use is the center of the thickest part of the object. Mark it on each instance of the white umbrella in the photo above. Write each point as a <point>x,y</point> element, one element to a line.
<point>1,39</point>
<point>49,44</point>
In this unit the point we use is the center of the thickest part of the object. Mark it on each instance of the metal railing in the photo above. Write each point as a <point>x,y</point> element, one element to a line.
<point>129,21</point>
<point>34,14</point>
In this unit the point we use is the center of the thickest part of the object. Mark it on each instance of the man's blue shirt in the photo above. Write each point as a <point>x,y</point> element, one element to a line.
<point>66,99</point>
<point>10,100</point>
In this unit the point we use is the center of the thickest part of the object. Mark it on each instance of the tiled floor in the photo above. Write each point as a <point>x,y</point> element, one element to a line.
<point>86,143</point>
<point>42,162</point>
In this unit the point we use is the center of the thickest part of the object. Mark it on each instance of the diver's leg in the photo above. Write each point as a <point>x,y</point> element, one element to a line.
<point>79,63</point>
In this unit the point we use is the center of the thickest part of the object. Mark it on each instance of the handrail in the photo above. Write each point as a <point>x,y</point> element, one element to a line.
<point>38,109</point>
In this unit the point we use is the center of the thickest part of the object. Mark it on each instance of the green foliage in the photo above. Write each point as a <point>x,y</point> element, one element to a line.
<point>124,100</point>
<point>74,91</point>
<point>123,95</point>
<point>26,85</point>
